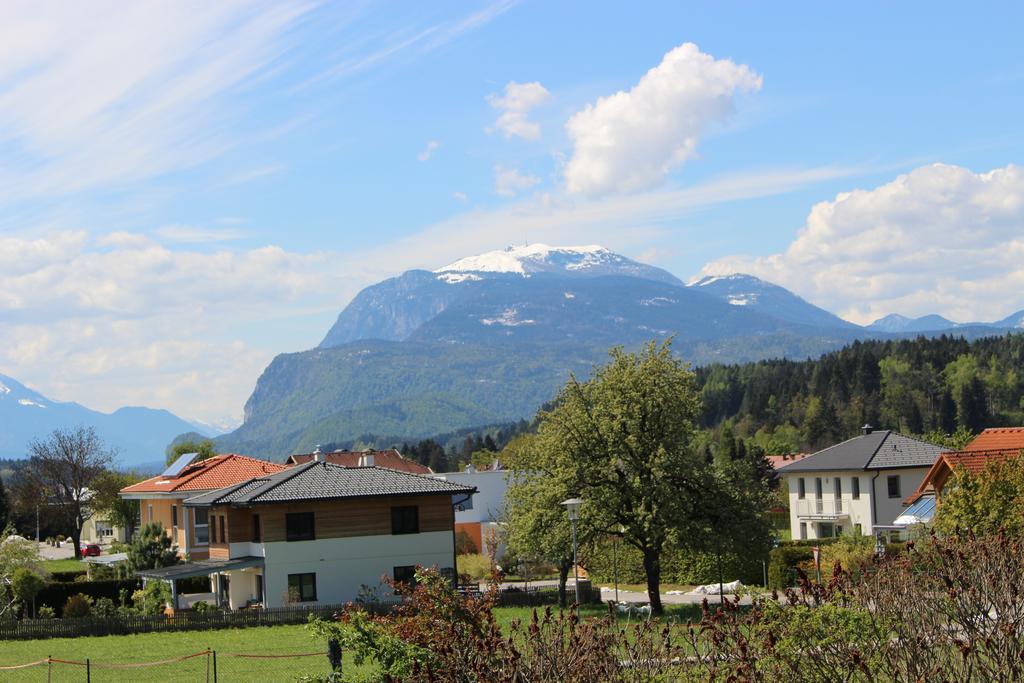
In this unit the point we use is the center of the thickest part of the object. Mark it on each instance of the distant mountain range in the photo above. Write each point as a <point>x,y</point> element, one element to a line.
<point>138,434</point>
<point>489,338</point>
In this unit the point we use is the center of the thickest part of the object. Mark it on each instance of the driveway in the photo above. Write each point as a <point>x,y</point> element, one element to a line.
<point>632,596</point>
<point>48,552</point>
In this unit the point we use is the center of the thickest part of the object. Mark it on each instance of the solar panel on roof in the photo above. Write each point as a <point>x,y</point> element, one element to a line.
<point>180,464</point>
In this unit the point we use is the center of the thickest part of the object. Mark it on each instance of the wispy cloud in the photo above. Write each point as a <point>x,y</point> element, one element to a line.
<point>428,151</point>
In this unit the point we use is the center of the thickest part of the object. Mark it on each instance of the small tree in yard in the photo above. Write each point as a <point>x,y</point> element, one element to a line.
<point>64,470</point>
<point>26,584</point>
<point>120,512</point>
<point>151,549</point>
<point>986,502</point>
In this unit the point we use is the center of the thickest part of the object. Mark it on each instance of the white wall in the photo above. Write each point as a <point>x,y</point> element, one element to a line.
<point>342,565</point>
<point>858,511</point>
<point>488,502</point>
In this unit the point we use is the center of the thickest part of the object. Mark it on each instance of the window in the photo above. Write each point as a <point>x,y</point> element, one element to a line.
<point>202,526</point>
<point>299,526</point>
<point>817,487</point>
<point>855,488</point>
<point>223,529</point>
<point>174,515</point>
<point>858,530</point>
<point>406,574</point>
<point>405,519</point>
<point>839,487</point>
<point>893,481</point>
<point>149,511</point>
<point>803,531</point>
<point>801,488</point>
<point>257,535</point>
<point>302,587</point>
<point>104,528</point>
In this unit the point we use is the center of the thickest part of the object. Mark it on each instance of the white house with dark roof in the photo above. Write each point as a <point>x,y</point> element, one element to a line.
<point>857,486</point>
<point>318,532</point>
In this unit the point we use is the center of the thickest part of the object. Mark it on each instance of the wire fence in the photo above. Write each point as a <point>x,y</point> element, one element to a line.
<point>202,666</point>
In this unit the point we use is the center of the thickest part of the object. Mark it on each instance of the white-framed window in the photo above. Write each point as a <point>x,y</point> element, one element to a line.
<point>803,531</point>
<point>149,513</point>
<point>855,488</point>
<point>201,528</point>
<point>893,483</point>
<point>104,529</point>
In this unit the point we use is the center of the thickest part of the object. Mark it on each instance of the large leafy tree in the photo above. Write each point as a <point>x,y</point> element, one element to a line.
<point>623,440</point>
<point>191,443</point>
<point>64,470</point>
<point>121,512</point>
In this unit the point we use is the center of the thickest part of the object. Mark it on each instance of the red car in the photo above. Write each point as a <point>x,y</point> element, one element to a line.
<point>91,550</point>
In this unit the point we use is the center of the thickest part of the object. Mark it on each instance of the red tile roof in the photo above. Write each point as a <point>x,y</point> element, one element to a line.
<point>207,475</point>
<point>389,459</point>
<point>997,438</point>
<point>780,461</point>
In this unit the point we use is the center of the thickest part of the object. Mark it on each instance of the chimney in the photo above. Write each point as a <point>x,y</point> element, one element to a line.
<point>366,459</point>
<point>866,429</point>
<point>318,455</point>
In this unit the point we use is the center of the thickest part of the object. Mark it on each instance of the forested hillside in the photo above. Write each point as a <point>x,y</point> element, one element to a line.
<point>915,386</point>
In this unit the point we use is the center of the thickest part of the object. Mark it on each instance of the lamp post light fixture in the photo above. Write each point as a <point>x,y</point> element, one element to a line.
<point>572,505</point>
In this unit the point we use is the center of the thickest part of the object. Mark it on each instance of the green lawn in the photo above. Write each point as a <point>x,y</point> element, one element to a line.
<point>70,565</point>
<point>275,640</point>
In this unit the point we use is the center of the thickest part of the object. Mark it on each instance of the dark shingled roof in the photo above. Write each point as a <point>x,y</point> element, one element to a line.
<point>326,481</point>
<point>884,449</point>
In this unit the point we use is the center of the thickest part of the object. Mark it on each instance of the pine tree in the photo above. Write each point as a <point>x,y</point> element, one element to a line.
<point>5,510</point>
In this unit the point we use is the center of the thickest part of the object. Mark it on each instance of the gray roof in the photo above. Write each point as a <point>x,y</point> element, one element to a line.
<point>883,449</point>
<point>185,570</point>
<point>327,481</point>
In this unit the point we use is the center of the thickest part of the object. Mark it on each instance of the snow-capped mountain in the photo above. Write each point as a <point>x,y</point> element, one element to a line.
<point>527,260</point>
<point>738,289</point>
<point>139,435</point>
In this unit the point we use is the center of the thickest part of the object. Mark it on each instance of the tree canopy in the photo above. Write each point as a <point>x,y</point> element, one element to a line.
<point>985,502</point>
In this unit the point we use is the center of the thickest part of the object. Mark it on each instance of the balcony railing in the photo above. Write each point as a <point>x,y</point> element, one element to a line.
<point>820,507</point>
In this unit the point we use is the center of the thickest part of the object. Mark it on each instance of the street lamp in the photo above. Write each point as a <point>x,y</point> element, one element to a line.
<point>615,559</point>
<point>573,507</point>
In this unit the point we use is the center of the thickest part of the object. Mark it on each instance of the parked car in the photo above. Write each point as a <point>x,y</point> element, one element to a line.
<point>91,550</point>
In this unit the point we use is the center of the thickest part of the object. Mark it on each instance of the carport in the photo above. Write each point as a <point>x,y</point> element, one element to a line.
<point>188,570</point>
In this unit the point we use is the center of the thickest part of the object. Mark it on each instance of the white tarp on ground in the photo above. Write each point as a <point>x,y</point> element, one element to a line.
<point>712,588</point>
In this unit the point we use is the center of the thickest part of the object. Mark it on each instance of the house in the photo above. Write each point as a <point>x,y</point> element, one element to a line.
<point>389,459</point>
<point>784,460</point>
<point>96,529</point>
<point>857,486</point>
<point>161,498</point>
<point>991,445</point>
<point>480,517</point>
<point>320,533</point>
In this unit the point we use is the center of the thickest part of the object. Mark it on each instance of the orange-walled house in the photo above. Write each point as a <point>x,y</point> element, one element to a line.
<point>161,497</point>
<point>991,445</point>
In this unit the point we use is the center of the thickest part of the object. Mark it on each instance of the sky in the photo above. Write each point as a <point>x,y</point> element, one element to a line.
<point>188,189</point>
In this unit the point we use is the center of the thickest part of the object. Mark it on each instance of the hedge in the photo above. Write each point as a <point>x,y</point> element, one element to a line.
<point>682,567</point>
<point>67,577</point>
<point>56,593</point>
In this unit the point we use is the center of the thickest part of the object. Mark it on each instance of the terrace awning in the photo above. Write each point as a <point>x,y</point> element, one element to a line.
<point>920,512</point>
<point>199,568</point>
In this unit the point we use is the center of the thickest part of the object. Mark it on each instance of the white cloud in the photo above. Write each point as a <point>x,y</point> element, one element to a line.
<point>107,93</point>
<point>515,105</point>
<point>461,196</point>
<point>508,181</point>
<point>940,239</point>
<point>428,151</point>
<point>631,140</point>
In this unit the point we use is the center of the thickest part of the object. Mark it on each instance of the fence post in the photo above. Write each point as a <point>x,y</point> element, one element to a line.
<point>49,668</point>
<point>214,666</point>
<point>88,671</point>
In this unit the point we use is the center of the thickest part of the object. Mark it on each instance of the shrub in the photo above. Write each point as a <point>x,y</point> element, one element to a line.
<point>26,584</point>
<point>202,607</point>
<point>153,598</point>
<point>105,608</point>
<point>77,606</point>
<point>46,612</point>
<point>782,563</point>
<point>56,593</point>
<point>475,566</point>
<point>464,544</point>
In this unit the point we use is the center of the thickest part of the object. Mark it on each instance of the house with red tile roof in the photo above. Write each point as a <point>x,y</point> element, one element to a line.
<point>389,459</point>
<point>992,445</point>
<point>780,461</point>
<point>161,497</point>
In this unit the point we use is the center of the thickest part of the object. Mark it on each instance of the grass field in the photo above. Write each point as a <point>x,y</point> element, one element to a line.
<point>70,565</point>
<point>276,640</point>
<point>122,650</point>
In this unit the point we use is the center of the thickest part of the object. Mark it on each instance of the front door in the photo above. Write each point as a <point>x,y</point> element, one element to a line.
<point>225,586</point>
<point>825,530</point>
<point>259,588</point>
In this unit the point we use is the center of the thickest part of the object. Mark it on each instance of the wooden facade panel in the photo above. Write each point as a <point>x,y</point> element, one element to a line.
<point>335,519</point>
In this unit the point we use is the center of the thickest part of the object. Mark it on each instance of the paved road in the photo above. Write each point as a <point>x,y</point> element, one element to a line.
<point>630,596</point>
<point>48,552</point>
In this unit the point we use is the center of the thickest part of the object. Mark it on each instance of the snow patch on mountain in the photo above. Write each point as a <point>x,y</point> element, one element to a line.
<point>508,318</point>
<point>742,299</point>
<point>456,278</point>
<point>533,258</point>
<point>27,402</point>
<point>658,301</point>
<point>4,389</point>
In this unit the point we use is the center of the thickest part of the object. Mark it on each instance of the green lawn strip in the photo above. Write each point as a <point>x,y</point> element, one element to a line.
<point>146,647</point>
<point>69,565</point>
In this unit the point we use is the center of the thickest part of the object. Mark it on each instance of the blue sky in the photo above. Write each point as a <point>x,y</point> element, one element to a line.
<point>188,189</point>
